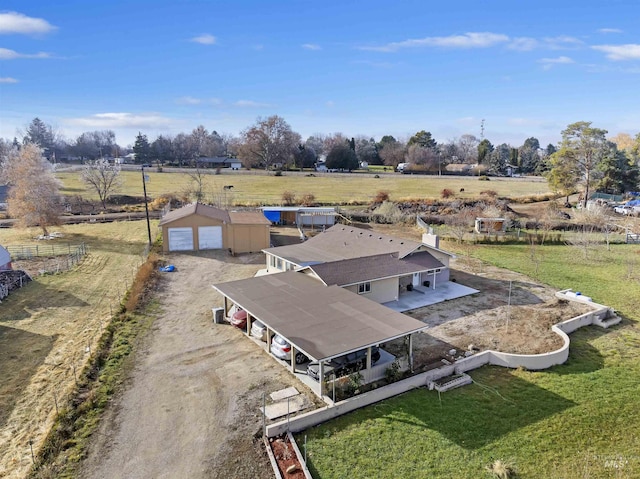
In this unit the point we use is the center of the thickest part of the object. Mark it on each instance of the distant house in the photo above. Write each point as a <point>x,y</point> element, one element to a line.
<point>219,162</point>
<point>5,259</point>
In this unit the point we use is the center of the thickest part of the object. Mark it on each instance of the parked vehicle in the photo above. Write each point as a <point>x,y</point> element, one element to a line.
<point>624,210</point>
<point>259,331</point>
<point>281,349</point>
<point>343,365</point>
<point>239,319</point>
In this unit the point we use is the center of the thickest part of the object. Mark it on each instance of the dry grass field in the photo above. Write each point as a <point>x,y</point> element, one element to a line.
<point>49,328</point>
<point>256,187</point>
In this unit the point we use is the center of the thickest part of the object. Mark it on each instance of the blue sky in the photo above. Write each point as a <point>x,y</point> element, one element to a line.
<point>528,68</point>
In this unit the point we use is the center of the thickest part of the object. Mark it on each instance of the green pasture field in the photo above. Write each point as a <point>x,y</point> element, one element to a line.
<point>256,188</point>
<point>575,421</point>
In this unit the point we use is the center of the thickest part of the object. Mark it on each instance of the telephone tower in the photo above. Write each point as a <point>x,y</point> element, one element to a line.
<point>482,130</point>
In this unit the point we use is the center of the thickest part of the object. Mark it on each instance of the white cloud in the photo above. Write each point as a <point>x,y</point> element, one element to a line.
<point>311,46</point>
<point>524,44</point>
<point>547,63</point>
<point>562,42</point>
<point>6,54</point>
<point>120,120</point>
<point>204,39</point>
<point>8,80</point>
<point>258,47</point>
<point>376,64</point>
<point>630,51</point>
<point>467,40</point>
<point>609,30</point>
<point>14,22</point>
<point>330,104</point>
<point>251,104</point>
<point>188,100</point>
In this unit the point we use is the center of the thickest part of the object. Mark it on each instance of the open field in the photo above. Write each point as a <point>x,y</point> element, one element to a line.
<point>255,187</point>
<point>49,328</point>
<point>575,421</point>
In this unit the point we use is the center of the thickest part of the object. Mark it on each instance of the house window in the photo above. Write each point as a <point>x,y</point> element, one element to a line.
<point>279,263</point>
<point>364,288</point>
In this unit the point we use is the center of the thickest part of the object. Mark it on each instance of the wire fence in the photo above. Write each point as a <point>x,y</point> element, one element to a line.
<point>49,258</point>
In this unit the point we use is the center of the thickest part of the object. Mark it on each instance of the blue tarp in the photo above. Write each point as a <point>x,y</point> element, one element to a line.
<point>167,269</point>
<point>273,216</point>
<point>633,203</point>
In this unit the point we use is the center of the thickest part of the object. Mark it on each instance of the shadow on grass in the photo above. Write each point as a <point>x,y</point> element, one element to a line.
<point>583,357</point>
<point>477,415</point>
<point>21,303</point>
<point>21,354</point>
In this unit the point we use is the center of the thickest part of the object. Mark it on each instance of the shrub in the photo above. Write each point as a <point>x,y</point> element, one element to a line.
<point>446,193</point>
<point>502,470</point>
<point>491,193</point>
<point>393,373</point>
<point>288,198</point>
<point>381,197</point>
<point>308,199</point>
<point>278,173</point>
<point>484,178</point>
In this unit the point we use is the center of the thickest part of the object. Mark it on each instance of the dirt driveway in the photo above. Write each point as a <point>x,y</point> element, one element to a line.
<point>190,406</point>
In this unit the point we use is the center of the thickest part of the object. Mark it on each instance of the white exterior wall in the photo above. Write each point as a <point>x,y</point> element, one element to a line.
<point>382,291</point>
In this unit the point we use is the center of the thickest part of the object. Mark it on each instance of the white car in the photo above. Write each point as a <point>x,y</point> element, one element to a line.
<point>259,331</point>
<point>281,349</point>
<point>624,210</point>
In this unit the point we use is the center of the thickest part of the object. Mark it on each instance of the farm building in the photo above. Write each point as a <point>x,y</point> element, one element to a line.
<point>198,227</point>
<point>300,215</point>
<point>5,259</point>
<point>490,225</point>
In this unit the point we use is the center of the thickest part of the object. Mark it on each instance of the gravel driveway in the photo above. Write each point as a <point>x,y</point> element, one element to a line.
<point>189,408</point>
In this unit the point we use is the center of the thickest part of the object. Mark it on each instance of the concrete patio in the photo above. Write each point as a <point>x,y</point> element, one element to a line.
<point>422,296</point>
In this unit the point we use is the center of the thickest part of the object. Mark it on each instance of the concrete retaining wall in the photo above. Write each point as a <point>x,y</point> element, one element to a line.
<point>528,361</point>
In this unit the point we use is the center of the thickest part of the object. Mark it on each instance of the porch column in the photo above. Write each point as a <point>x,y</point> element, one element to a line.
<point>369,357</point>
<point>293,358</point>
<point>434,279</point>
<point>321,377</point>
<point>411,352</point>
<point>249,323</point>
<point>226,306</point>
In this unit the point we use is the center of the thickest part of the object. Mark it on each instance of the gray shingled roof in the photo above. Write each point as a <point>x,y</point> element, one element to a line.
<point>356,270</point>
<point>343,242</point>
<point>323,322</point>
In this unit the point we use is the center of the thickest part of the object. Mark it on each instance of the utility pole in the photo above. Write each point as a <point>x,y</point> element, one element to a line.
<point>146,203</point>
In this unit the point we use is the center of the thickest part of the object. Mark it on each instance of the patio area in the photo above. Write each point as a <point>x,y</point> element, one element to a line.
<point>422,296</point>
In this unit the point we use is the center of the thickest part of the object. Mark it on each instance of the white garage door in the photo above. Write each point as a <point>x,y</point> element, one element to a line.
<point>209,237</point>
<point>180,239</point>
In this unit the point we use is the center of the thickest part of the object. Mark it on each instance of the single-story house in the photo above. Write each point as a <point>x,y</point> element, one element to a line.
<point>5,259</point>
<point>201,227</point>
<point>219,162</point>
<point>325,295</point>
<point>300,215</point>
<point>385,266</point>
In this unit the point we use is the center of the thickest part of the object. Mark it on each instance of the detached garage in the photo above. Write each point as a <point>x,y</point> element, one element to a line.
<point>201,227</point>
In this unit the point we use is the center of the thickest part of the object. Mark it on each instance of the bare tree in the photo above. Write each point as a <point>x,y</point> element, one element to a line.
<point>461,223</point>
<point>392,153</point>
<point>103,177</point>
<point>269,142</point>
<point>34,191</point>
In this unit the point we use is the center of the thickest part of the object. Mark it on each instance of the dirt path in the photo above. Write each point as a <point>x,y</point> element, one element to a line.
<point>190,407</point>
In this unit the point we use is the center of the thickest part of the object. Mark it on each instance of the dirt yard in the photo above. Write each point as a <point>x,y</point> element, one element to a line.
<point>489,320</point>
<point>191,406</point>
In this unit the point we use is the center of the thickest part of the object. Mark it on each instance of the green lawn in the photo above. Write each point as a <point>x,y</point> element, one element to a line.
<point>256,188</point>
<point>578,420</point>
